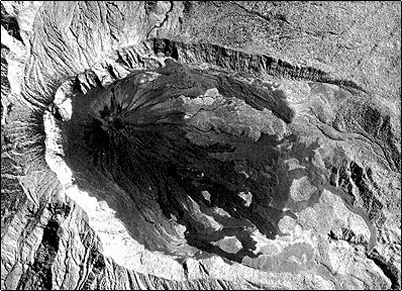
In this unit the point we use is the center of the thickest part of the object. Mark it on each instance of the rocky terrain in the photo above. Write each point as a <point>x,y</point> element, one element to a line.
<point>200,145</point>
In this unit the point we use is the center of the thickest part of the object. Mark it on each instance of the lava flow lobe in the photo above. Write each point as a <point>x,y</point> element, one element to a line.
<point>136,134</point>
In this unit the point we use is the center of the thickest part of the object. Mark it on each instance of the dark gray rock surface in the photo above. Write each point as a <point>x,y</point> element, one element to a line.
<point>200,145</point>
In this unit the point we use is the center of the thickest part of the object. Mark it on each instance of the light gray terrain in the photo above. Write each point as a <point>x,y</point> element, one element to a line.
<point>200,145</point>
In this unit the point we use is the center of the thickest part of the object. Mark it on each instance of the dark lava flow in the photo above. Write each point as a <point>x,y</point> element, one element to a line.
<point>134,134</point>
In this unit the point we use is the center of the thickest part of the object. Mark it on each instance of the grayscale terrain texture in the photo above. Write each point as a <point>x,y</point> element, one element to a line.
<point>200,145</point>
